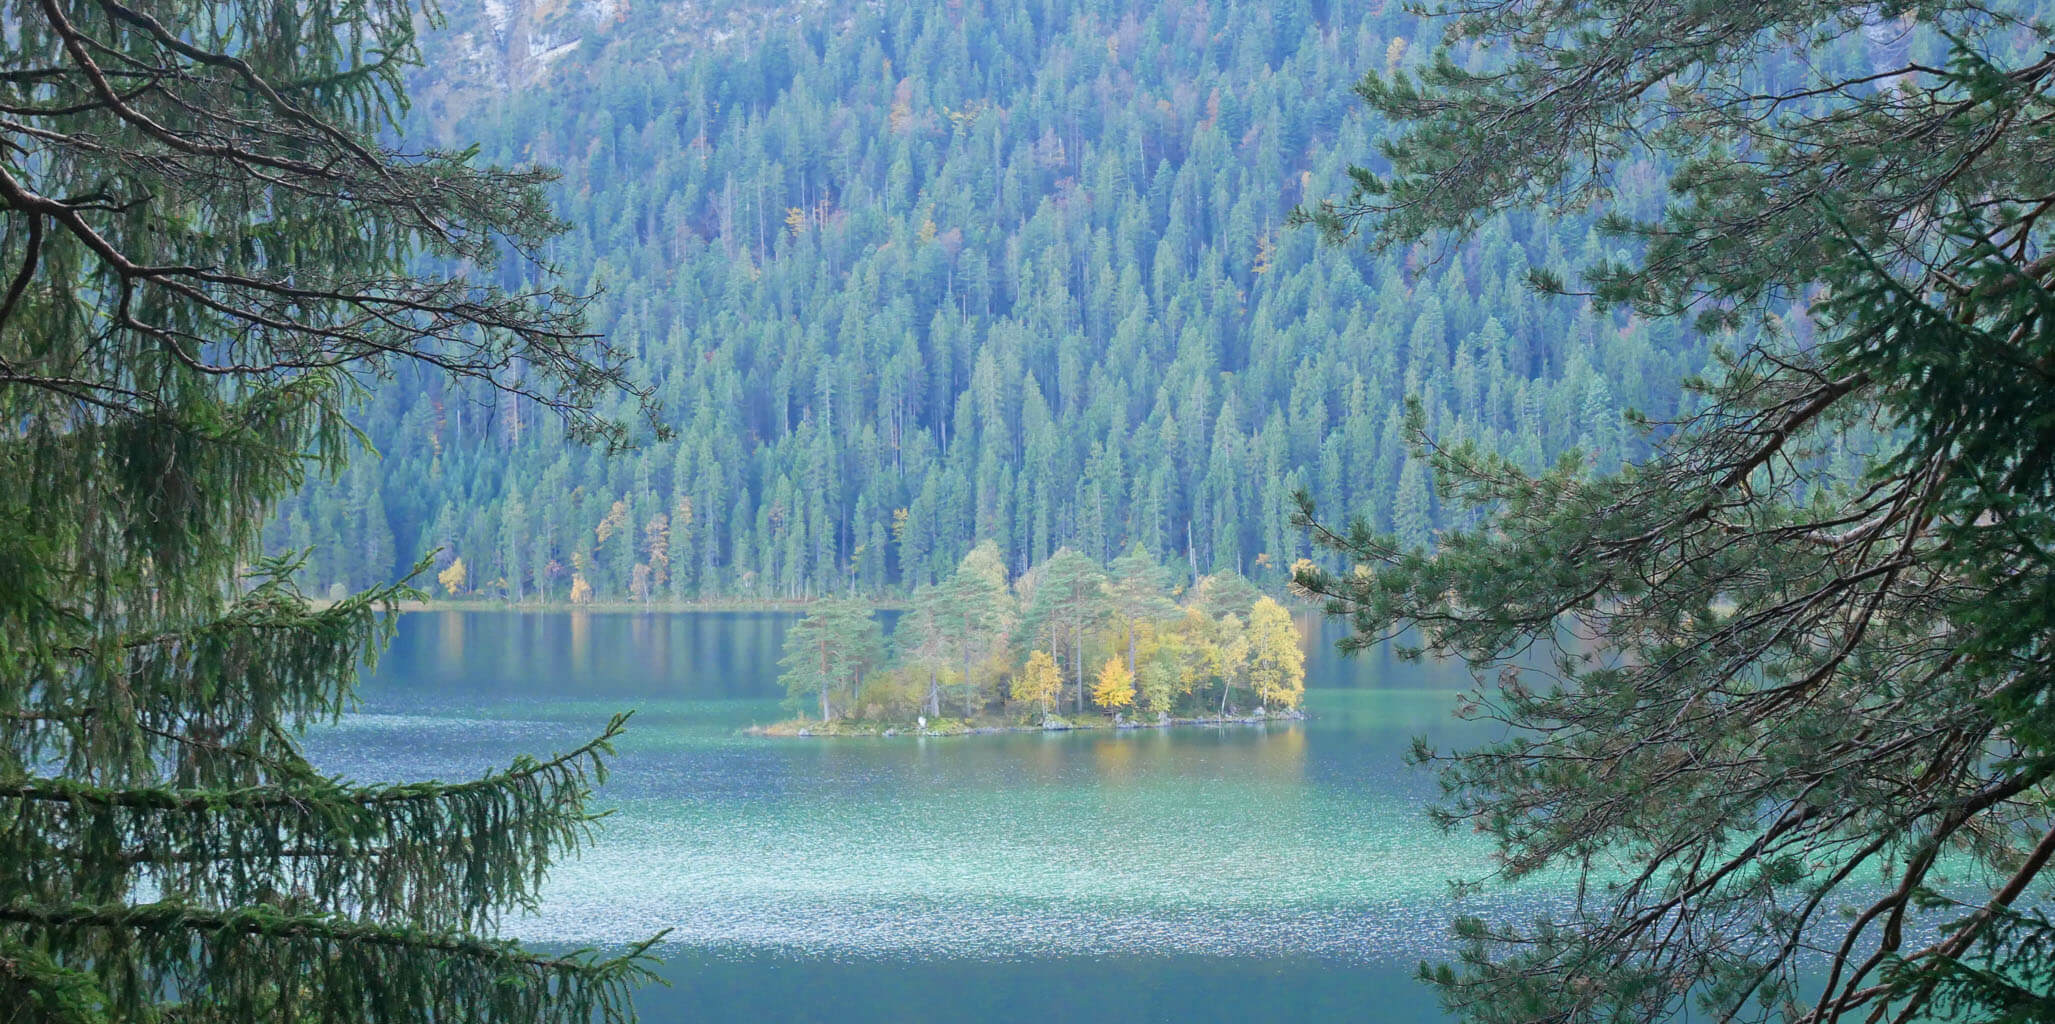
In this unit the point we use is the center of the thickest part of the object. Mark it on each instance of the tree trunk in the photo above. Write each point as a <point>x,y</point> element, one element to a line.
<point>1078,664</point>
<point>1058,662</point>
<point>824,681</point>
<point>934,692</point>
<point>966,679</point>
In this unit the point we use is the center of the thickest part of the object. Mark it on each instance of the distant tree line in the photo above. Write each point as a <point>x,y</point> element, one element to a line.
<point>962,271</point>
<point>1068,636</point>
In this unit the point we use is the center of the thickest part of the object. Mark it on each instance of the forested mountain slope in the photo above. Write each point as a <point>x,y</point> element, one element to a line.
<point>939,271</point>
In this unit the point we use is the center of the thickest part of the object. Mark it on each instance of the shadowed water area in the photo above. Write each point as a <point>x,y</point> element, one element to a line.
<point>1280,871</point>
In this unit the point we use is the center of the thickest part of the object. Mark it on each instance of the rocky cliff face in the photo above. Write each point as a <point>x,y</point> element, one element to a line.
<point>488,47</point>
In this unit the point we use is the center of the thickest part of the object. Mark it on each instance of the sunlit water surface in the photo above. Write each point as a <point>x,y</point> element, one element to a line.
<point>1248,873</point>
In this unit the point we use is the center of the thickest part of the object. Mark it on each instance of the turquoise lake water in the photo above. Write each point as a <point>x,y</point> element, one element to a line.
<point>1281,872</point>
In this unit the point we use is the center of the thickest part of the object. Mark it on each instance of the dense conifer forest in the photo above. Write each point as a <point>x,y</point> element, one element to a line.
<point>944,271</point>
<point>1684,370</point>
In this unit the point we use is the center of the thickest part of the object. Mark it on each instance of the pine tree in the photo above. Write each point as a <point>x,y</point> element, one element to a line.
<point>1794,692</point>
<point>1135,588</point>
<point>207,251</point>
<point>1225,593</point>
<point>828,652</point>
<point>798,442</point>
<point>1409,511</point>
<point>976,606</point>
<point>923,634</point>
<point>1068,602</point>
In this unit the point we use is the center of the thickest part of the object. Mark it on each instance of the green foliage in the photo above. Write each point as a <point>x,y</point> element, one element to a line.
<point>1797,657</point>
<point>1135,595</point>
<point>2002,978</point>
<point>834,658</point>
<point>1225,593</point>
<point>206,254</point>
<point>829,652</point>
<point>978,612</point>
<point>1039,292</point>
<point>1067,602</point>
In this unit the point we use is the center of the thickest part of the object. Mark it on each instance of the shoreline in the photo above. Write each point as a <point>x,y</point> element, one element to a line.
<point>801,728</point>
<point>604,607</point>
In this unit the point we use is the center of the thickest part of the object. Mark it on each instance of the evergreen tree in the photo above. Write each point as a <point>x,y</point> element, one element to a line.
<point>828,652</point>
<point>975,605</point>
<point>208,254</point>
<point>1409,510</point>
<point>1225,593</point>
<point>924,637</point>
<point>1135,588</point>
<point>1796,690</point>
<point>1068,601</point>
<point>955,348</point>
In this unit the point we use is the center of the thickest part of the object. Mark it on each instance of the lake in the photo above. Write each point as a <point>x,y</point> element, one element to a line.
<point>1279,871</point>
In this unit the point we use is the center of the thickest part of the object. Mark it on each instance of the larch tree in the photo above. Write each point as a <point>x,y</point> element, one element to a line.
<point>206,252</point>
<point>452,577</point>
<point>1779,689</point>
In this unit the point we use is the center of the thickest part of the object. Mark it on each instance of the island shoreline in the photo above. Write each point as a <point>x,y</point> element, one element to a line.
<point>813,729</point>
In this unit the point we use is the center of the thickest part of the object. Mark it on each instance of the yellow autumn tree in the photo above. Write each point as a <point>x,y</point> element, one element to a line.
<point>452,578</point>
<point>581,591</point>
<point>616,519</point>
<point>1277,664</point>
<point>1224,651</point>
<point>656,542</point>
<point>1115,687</point>
<point>1038,682</point>
<point>1166,666</point>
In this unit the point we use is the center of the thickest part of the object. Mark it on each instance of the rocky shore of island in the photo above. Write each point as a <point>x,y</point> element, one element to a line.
<point>814,729</point>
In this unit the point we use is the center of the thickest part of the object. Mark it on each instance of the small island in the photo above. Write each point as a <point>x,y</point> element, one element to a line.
<point>1069,644</point>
